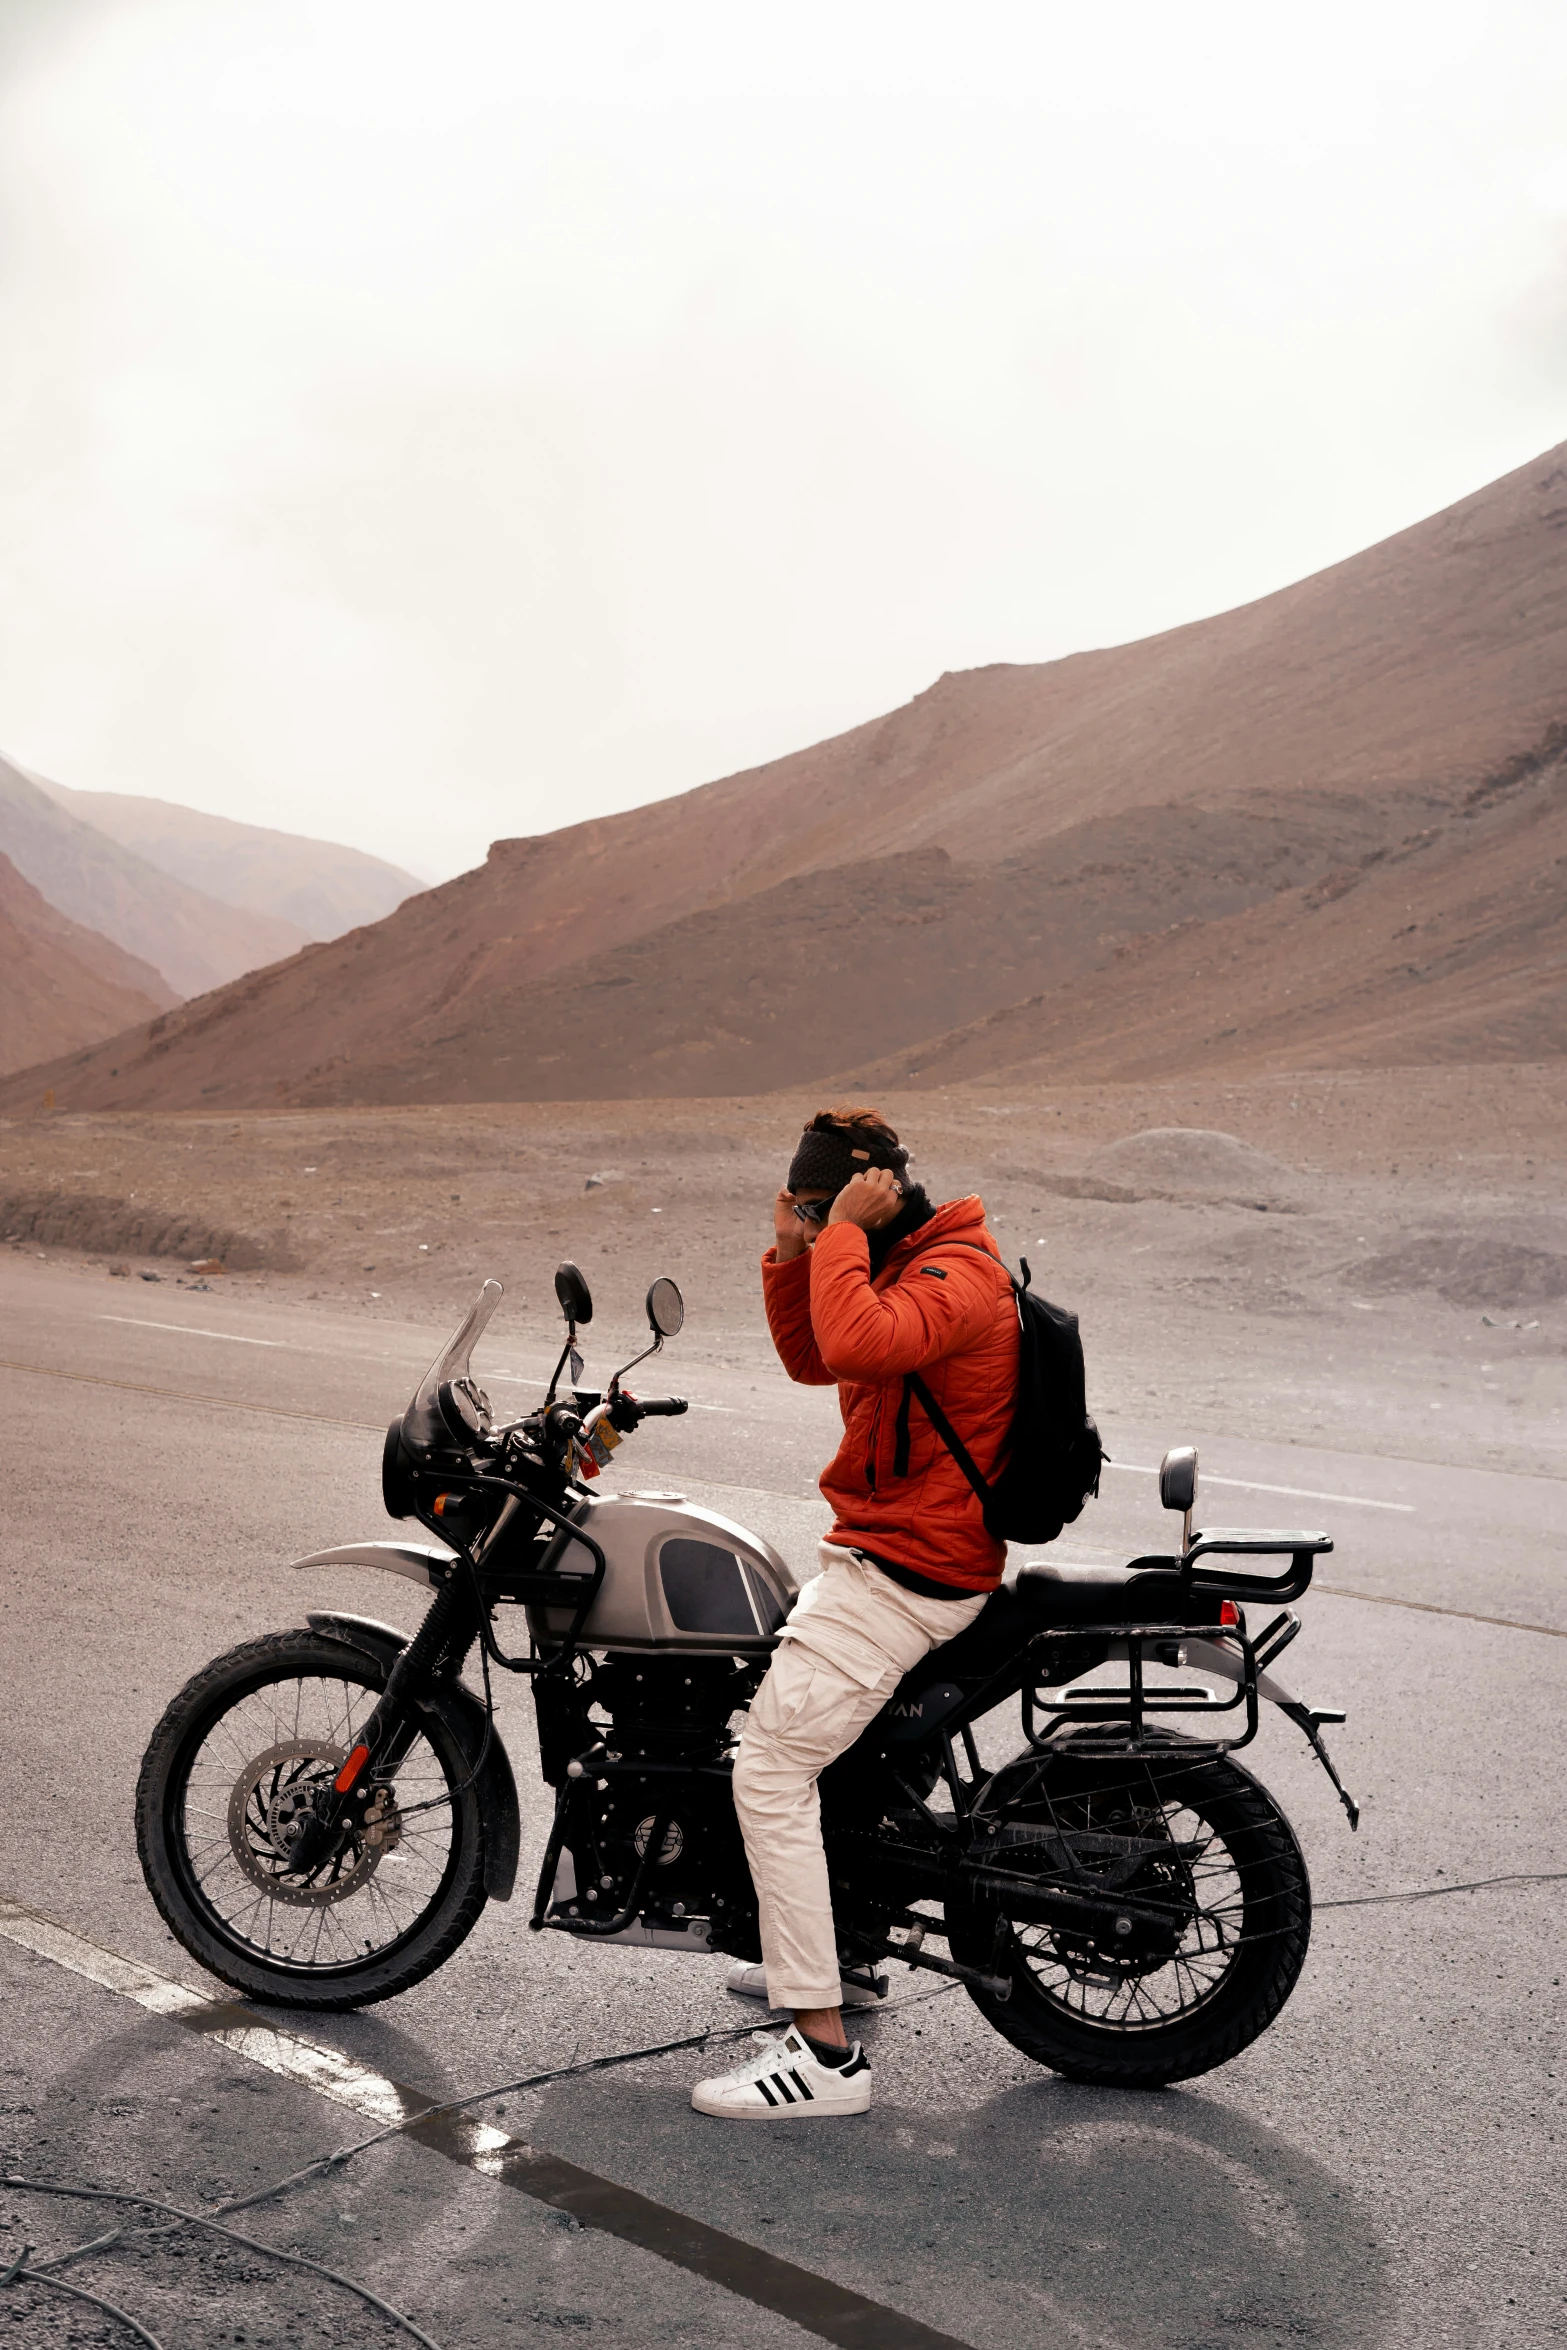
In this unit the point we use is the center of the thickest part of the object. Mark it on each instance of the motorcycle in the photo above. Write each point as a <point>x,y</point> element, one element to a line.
<point>323,1813</point>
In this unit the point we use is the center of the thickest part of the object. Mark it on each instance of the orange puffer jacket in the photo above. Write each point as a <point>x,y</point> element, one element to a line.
<point>936,1308</point>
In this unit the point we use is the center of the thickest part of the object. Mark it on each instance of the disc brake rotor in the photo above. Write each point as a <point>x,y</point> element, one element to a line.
<point>272,1792</point>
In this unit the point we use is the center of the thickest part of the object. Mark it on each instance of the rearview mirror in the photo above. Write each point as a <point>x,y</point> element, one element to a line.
<point>666,1308</point>
<point>573,1294</point>
<point>1178,1478</point>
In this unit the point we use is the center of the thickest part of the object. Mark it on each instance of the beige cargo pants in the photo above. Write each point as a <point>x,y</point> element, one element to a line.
<point>852,1635</point>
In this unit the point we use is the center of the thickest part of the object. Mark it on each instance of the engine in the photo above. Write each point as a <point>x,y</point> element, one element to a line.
<point>661,1732</point>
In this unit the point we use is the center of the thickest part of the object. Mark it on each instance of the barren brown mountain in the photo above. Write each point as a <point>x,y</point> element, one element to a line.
<point>1017,845</point>
<point>61,985</point>
<point>1450,948</point>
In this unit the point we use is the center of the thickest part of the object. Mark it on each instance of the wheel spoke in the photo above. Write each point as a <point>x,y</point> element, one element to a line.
<point>261,1760</point>
<point>1164,1859</point>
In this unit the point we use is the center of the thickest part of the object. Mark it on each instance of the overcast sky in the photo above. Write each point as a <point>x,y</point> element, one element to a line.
<point>422,423</point>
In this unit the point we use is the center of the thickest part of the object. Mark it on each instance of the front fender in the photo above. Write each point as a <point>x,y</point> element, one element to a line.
<point>422,1562</point>
<point>496,1788</point>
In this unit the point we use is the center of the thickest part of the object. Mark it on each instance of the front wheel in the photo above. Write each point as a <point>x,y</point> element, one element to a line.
<point>1218,1912</point>
<point>239,1752</point>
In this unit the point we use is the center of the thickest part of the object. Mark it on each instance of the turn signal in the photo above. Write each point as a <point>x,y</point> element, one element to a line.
<point>1229,1615</point>
<point>351,1769</point>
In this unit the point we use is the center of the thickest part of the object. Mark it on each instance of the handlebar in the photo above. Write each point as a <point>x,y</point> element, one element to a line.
<point>663,1407</point>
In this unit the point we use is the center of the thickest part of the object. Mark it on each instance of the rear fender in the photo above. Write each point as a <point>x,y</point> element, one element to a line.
<point>1206,1656</point>
<point>464,1716</point>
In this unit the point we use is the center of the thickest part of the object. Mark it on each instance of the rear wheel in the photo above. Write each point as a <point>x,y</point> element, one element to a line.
<point>237,1756</point>
<point>1218,1913</point>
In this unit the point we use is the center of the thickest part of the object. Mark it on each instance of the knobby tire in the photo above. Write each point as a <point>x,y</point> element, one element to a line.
<point>163,1844</point>
<point>1269,1948</point>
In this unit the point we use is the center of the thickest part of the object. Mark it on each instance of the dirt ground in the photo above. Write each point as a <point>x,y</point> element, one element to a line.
<point>1375,1260</point>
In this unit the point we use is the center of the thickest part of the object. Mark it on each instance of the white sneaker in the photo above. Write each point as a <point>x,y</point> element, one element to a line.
<point>783,2081</point>
<point>750,1982</point>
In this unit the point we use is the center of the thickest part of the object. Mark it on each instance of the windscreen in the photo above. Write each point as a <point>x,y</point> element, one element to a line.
<point>425,1427</point>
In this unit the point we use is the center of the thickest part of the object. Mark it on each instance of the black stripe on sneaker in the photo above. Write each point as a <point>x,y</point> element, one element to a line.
<point>806,2092</point>
<point>767,2093</point>
<point>784,2090</point>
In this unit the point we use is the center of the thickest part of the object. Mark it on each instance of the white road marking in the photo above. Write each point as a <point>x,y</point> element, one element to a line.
<point>190,1330</point>
<point>326,2070</point>
<point>1358,1501</point>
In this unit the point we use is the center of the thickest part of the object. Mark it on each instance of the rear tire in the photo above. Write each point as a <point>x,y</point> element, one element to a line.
<point>240,1741</point>
<point>1110,2014</point>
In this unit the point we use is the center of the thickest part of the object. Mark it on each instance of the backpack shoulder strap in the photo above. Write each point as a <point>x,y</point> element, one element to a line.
<point>914,1385</point>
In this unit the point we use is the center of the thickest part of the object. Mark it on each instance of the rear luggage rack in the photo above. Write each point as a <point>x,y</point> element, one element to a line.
<point>1121,1709</point>
<point>1114,1717</point>
<point>1239,1541</point>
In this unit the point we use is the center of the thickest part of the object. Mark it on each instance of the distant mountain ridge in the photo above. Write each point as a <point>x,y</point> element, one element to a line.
<point>195,942</point>
<point>318,887</point>
<point>1014,839</point>
<point>62,986</point>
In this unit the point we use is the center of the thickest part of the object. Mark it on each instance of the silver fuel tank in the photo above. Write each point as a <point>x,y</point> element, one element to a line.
<point>678,1578</point>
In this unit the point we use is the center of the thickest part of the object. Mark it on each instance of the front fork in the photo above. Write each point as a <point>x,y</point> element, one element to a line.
<point>436,1649</point>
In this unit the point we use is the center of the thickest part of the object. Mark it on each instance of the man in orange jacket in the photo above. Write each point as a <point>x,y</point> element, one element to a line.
<point>866,1282</point>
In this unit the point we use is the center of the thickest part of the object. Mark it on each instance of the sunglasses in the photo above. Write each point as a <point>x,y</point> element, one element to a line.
<point>814,1211</point>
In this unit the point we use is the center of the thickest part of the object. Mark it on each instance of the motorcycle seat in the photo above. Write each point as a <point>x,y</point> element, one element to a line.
<point>1147,1591</point>
<point>1039,1598</point>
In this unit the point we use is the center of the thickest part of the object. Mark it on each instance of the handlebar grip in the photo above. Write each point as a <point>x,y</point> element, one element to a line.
<point>663,1407</point>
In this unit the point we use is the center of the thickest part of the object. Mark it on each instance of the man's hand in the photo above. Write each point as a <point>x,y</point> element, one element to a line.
<point>792,1238</point>
<point>869,1200</point>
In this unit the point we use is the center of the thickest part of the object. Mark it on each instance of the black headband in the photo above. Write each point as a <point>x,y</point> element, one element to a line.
<point>825,1161</point>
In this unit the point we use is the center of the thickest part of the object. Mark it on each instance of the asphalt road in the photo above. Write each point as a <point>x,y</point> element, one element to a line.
<point>1383,2167</point>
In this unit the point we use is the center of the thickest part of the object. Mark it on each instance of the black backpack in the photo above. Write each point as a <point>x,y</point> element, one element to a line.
<point>1054,1454</point>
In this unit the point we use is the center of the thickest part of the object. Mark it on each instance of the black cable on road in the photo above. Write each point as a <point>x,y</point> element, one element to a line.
<point>1435,1892</point>
<point>816,2303</point>
<point>833,2312</point>
<point>20,2274</point>
<point>712,2038</point>
<point>201,2219</point>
